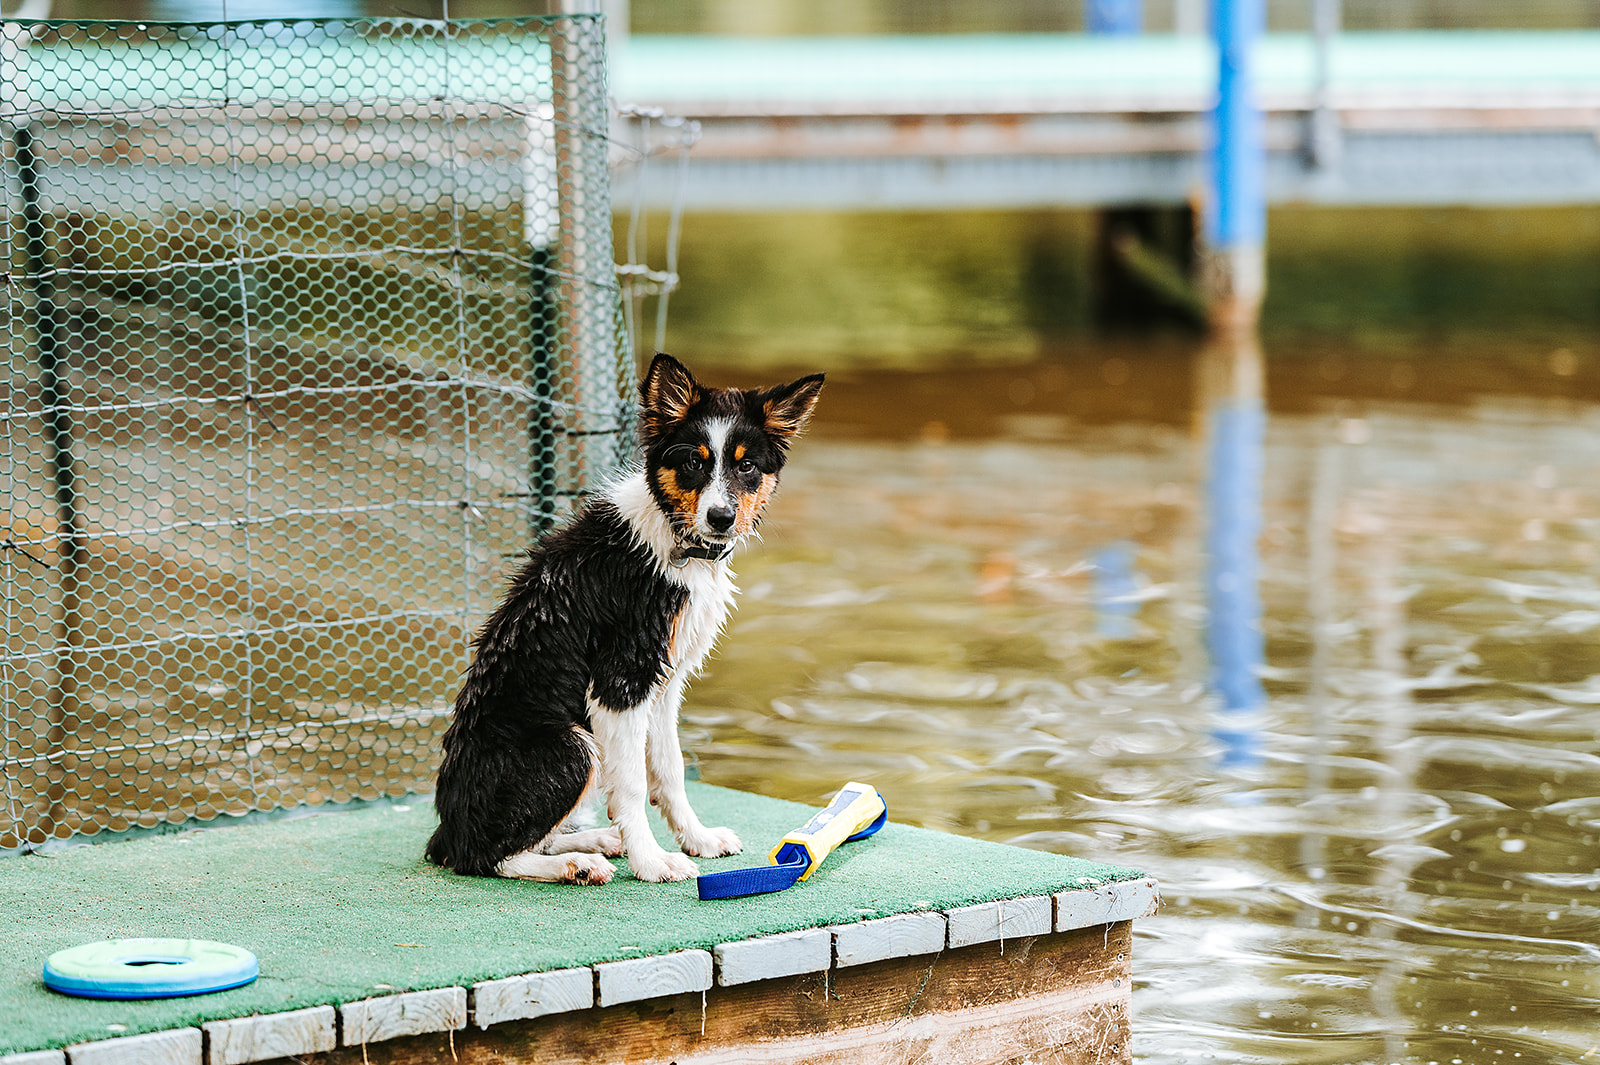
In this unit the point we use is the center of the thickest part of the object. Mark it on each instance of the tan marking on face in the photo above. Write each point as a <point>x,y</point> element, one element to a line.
<point>751,504</point>
<point>685,504</point>
<point>738,453</point>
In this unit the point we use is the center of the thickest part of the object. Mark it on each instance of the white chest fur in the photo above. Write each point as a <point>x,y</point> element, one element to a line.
<point>709,584</point>
<point>699,623</point>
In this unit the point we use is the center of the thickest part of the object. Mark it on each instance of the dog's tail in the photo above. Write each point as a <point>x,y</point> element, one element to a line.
<point>438,850</point>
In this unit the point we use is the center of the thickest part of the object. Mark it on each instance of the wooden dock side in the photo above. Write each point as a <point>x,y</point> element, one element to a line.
<point>1061,999</point>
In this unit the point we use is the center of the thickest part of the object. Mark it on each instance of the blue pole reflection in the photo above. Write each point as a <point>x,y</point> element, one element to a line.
<point>1236,429</point>
<point>1116,591</point>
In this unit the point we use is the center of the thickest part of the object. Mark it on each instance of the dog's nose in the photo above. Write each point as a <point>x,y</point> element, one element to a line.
<point>720,518</point>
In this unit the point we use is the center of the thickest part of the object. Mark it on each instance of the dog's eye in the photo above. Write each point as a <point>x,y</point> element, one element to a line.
<point>747,467</point>
<point>694,464</point>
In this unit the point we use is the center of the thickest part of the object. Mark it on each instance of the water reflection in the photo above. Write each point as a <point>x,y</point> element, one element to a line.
<point>1410,871</point>
<point>1116,591</point>
<point>1233,414</point>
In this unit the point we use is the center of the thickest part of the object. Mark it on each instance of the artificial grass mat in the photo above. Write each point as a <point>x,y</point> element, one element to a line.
<point>340,907</point>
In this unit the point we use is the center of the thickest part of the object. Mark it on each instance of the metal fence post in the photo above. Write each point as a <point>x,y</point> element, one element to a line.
<point>57,425</point>
<point>1322,141</point>
<point>589,293</point>
<point>541,228</point>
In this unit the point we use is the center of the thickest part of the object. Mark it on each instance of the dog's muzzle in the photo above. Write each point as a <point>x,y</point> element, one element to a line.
<point>693,548</point>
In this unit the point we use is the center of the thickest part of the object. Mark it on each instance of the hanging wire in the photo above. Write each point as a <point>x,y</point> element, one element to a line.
<point>652,133</point>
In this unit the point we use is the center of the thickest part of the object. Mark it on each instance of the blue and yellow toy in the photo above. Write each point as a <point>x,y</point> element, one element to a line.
<point>856,812</point>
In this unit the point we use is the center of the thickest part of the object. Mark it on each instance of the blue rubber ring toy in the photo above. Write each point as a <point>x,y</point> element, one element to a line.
<point>149,968</point>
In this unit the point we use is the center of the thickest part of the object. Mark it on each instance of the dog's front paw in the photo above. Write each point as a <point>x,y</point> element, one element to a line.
<point>610,842</point>
<point>662,866</point>
<point>711,843</point>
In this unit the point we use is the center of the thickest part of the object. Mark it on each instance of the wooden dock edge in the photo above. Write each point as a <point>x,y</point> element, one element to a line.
<point>1045,978</point>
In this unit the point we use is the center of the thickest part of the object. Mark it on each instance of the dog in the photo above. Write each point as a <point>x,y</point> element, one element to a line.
<point>579,674</point>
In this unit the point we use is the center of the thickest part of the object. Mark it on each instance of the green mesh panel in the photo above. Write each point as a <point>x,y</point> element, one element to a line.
<point>310,326</point>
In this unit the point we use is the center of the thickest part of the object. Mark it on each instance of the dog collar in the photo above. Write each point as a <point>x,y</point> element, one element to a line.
<point>687,549</point>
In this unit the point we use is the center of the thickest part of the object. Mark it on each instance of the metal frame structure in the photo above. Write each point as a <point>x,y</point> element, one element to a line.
<point>308,326</point>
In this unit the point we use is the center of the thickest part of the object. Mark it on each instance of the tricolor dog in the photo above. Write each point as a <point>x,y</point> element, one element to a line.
<point>580,672</point>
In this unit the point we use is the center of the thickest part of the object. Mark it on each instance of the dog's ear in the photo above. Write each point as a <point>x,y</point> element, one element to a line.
<point>787,408</point>
<point>666,394</point>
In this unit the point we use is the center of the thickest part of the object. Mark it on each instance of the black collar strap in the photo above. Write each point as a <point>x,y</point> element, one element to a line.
<point>687,549</point>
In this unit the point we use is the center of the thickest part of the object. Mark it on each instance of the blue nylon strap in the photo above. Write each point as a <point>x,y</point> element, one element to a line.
<point>790,862</point>
<point>757,880</point>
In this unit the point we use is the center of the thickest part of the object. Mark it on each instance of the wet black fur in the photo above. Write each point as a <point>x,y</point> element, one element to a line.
<point>588,607</point>
<point>588,612</point>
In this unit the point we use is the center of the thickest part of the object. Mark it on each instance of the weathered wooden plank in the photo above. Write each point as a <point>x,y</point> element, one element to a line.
<point>35,1057</point>
<point>990,922</point>
<point>1060,999</point>
<point>652,977</point>
<point>900,936</point>
<point>271,1035</point>
<point>769,957</point>
<point>373,1020</point>
<point>181,1046</point>
<point>519,998</point>
<point>1061,1026</point>
<point>1107,904</point>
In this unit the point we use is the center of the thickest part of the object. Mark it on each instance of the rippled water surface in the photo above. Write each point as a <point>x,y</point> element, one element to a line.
<point>991,607</point>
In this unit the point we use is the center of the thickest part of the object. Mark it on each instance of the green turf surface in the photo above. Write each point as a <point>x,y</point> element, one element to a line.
<point>340,907</point>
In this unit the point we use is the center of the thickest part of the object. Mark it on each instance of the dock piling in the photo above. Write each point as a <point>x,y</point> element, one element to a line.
<point>1322,132</point>
<point>1236,216</point>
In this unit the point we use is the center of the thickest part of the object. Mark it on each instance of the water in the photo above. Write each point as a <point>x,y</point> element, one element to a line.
<point>981,589</point>
<point>1410,873</point>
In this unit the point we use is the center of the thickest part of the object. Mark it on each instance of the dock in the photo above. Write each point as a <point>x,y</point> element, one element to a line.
<point>974,121</point>
<point>909,943</point>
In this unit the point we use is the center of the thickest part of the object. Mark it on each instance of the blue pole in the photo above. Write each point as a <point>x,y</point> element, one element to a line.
<point>1238,215</point>
<point>1117,17</point>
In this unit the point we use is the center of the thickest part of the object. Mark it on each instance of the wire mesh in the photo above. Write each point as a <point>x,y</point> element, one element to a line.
<point>648,138</point>
<point>309,325</point>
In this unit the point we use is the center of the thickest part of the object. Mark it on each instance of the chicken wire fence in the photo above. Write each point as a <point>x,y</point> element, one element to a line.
<point>309,326</point>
